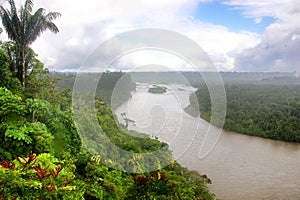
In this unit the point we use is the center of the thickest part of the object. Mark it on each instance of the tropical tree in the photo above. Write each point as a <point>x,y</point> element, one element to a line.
<point>24,27</point>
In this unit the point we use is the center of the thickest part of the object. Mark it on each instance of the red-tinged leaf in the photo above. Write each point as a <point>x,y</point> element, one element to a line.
<point>44,171</point>
<point>37,168</point>
<point>4,164</point>
<point>31,158</point>
<point>33,162</point>
<point>12,165</point>
<point>39,176</point>
<point>53,173</point>
<point>58,169</point>
<point>50,187</point>
<point>47,176</point>
<point>8,165</point>
<point>19,160</point>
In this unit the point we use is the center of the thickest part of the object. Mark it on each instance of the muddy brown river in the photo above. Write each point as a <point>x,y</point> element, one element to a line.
<point>240,166</point>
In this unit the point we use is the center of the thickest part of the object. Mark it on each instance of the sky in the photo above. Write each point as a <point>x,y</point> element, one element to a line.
<point>237,35</point>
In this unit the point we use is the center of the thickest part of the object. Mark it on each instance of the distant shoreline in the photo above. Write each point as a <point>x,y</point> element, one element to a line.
<point>192,111</point>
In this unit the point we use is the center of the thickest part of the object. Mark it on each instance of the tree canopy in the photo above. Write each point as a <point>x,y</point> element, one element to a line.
<point>265,110</point>
<point>23,27</point>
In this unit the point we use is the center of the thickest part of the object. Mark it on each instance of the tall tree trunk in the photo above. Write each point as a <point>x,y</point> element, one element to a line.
<point>19,63</point>
<point>23,67</point>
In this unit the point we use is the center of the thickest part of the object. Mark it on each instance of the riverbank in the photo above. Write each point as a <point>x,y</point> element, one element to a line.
<point>268,111</point>
<point>240,166</point>
<point>192,111</point>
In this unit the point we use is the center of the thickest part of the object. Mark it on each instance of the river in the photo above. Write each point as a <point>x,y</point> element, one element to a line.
<point>240,166</point>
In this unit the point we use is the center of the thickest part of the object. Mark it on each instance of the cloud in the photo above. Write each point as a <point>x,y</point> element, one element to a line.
<point>278,51</point>
<point>258,20</point>
<point>86,25</point>
<point>279,47</point>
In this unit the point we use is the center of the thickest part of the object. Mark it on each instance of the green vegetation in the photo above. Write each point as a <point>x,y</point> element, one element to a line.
<point>43,157</point>
<point>36,159</point>
<point>39,177</point>
<point>157,89</point>
<point>196,78</point>
<point>24,27</point>
<point>269,111</point>
<point>114,88</point>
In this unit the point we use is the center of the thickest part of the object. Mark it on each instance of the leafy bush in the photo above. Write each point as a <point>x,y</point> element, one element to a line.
<point>38,177</point>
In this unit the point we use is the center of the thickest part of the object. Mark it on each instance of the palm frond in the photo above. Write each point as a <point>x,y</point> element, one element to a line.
<point>13,8</point>
<point>39,22</point>
<point>25,12</point>
<point>9,24</point>
<point>34,23</point>
<point>28,6</point>
<point>52,16</point>
<point>51,26</point>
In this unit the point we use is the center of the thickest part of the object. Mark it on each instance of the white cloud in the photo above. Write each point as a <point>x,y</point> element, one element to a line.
<point>139,61</point>
<point>85,25</point>
<point>261,8</point>
<point>104,19</point>
<point>279,47</point>
<point>258,20</point>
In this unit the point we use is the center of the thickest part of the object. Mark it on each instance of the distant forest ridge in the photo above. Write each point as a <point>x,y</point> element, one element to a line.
<point>194,78</point>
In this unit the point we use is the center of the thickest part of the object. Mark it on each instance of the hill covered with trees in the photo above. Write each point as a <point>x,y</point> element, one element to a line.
<point>265,110</point>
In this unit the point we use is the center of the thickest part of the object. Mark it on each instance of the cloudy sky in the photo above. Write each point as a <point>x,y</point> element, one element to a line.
<point>238,35</point>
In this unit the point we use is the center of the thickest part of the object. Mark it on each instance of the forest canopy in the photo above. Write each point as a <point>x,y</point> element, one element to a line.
<point>265,110</point>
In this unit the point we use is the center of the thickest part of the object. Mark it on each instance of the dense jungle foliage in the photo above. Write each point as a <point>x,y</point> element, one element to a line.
<point>42,156</point>
<point>259,109</point>
<point>113,88</point>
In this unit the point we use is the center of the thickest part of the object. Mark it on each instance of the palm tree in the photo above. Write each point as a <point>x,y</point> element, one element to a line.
<point>24,28</point>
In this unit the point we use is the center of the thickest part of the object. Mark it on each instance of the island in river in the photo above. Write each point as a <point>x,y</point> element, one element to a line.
<point>157,89</point>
